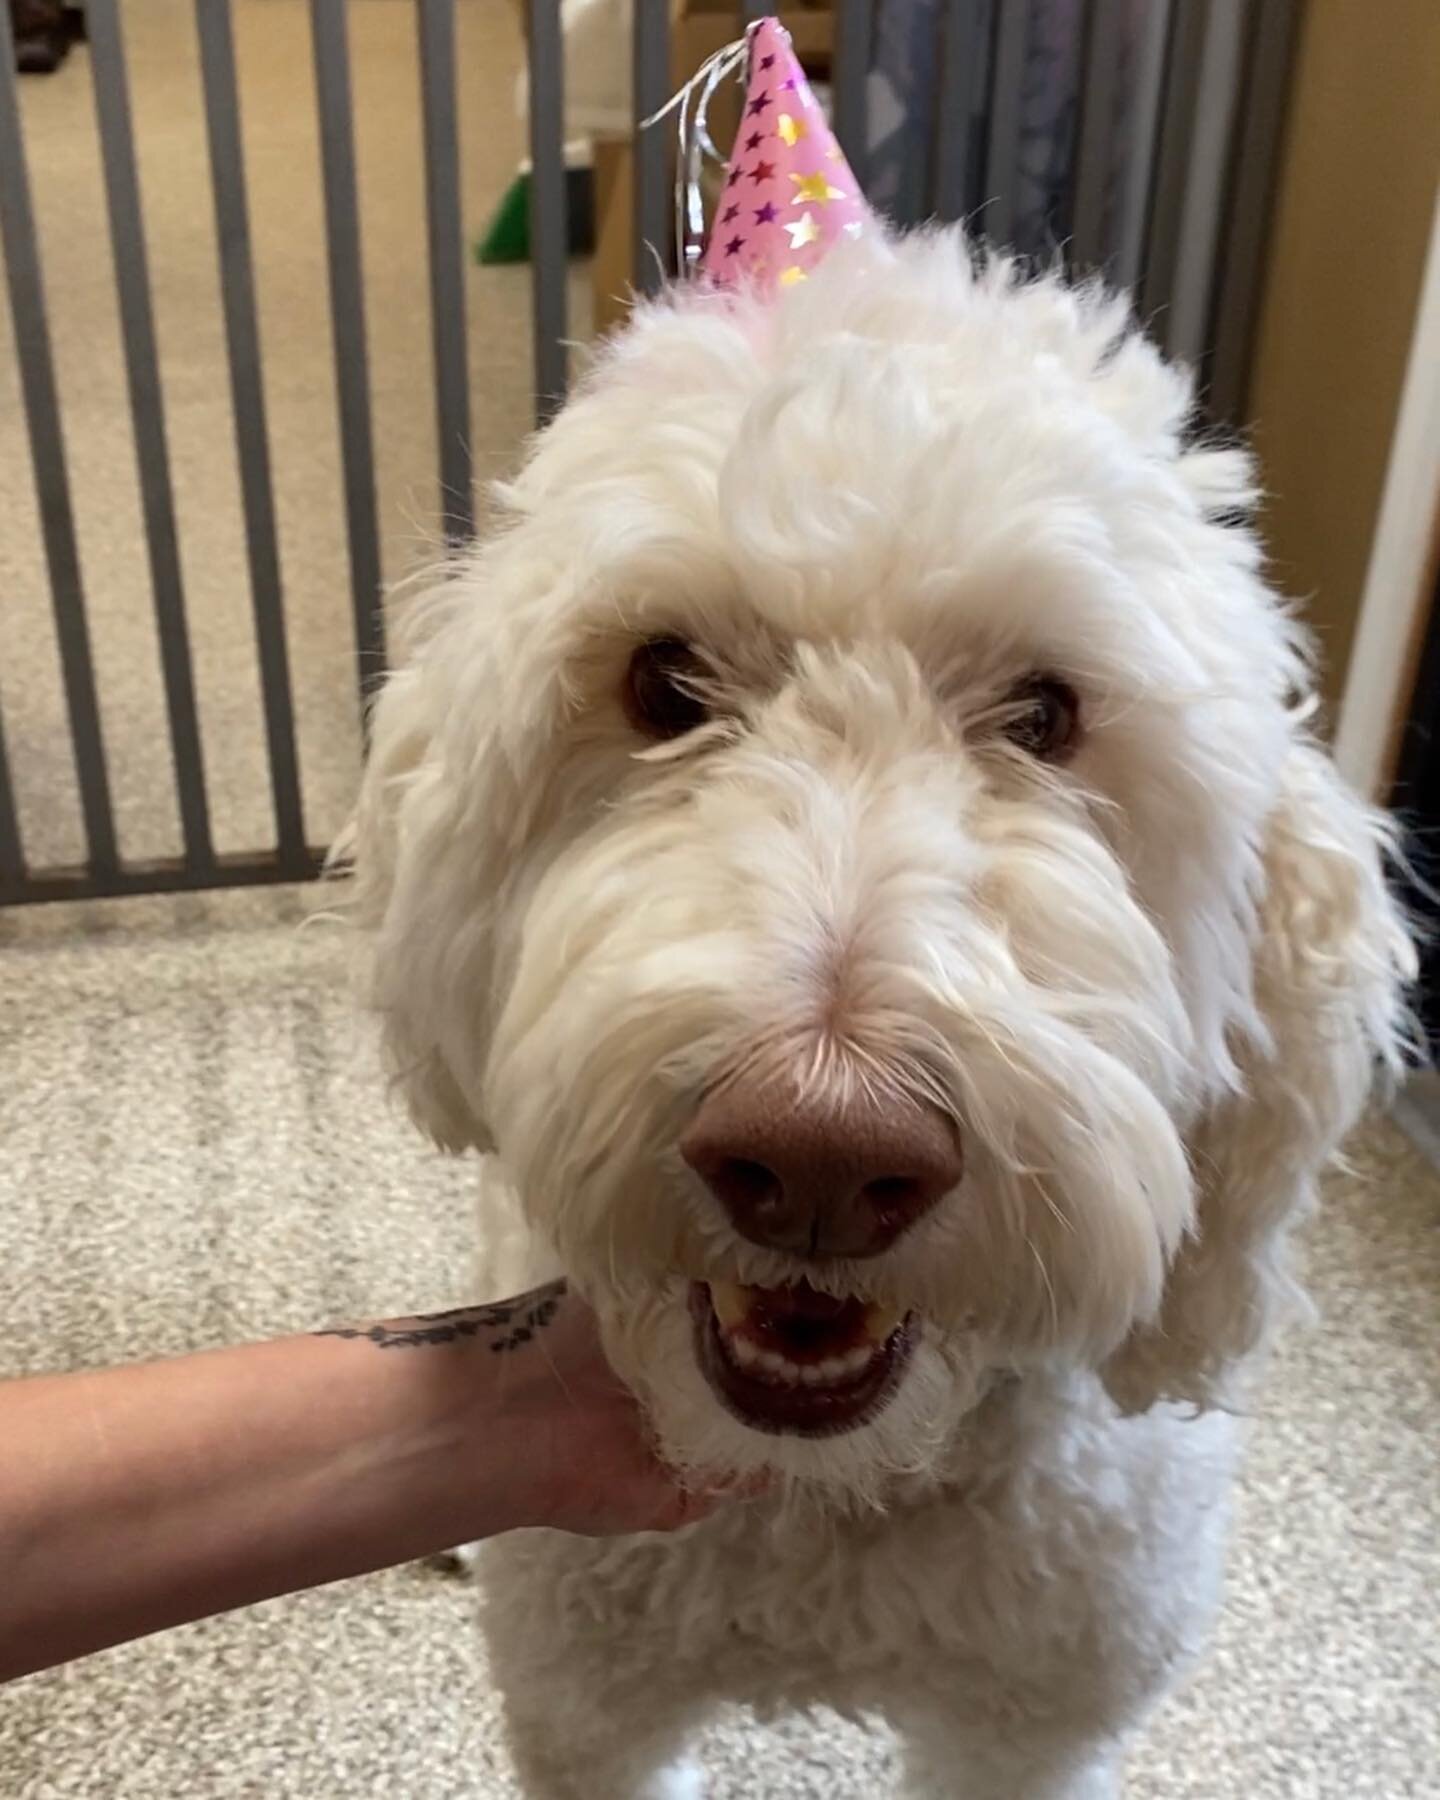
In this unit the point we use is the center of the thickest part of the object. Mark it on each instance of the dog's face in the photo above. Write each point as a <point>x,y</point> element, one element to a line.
<point>821,844</point>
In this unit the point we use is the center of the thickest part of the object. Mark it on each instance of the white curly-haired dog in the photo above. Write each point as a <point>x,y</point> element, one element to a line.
<point>851,847</point>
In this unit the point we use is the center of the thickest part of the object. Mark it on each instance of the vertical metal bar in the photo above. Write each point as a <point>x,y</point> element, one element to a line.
<point>549,231</point>
<point>1147,86</point>
<point>12,856</point>
<point>653,209</point>
<point>854,44</point>
<point>753,10</point>
<point>1254,160</point>
<point>247,397</point>
<point>1183,56</point>
<point>132,282</point>
<point>47,455</point>
<point>347,321</point>
<point>1196,253</point>
<point>922,101</point>
<point>1002,157</point>
<point>1095,144</point>
<point>964,78</point>
<point>435,20</point>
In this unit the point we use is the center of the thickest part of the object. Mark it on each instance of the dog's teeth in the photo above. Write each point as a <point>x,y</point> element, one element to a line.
<point>880,1321</point>
<point>728,1300</point>
<point>779,1369</point>
<point>733,1308</point>
<point>771,1366</point>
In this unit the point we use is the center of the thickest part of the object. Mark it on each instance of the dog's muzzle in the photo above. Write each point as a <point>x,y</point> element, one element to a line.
<point>800,1173</point>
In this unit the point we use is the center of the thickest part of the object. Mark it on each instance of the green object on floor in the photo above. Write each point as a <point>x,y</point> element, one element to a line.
<point>507,237</point>
<point>507,240</point>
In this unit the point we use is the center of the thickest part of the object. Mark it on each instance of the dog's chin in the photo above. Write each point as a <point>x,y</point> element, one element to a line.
<point>838,1396</point>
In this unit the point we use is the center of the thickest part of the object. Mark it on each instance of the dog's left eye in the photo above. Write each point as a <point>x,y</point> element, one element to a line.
<point>663,692</point>
<point>1043,718</point>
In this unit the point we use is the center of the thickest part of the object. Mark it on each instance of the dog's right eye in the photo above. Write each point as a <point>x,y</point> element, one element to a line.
<point>663,693</point>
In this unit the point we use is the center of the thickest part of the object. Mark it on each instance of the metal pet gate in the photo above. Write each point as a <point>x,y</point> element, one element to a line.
<point>1152,158</point>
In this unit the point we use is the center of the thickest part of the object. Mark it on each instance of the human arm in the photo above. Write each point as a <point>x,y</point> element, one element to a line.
<point>137,1498</point>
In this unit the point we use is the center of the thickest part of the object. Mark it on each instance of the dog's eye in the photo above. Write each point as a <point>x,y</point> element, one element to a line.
<point>1043,718</point>
<point>663,693</point>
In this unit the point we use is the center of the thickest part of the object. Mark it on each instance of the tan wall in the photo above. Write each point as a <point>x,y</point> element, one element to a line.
<point>1352,223</point>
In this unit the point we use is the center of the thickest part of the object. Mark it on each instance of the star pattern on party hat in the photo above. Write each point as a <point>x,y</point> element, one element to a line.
<point>789,194</point>
<point>815,190</point>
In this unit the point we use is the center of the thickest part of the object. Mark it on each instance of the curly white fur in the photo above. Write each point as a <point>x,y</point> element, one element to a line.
<point>1151,987</point>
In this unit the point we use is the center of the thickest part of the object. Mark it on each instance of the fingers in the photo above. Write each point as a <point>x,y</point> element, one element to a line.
<point>684,1503</point>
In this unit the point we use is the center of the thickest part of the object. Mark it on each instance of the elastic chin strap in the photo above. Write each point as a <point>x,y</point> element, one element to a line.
<point>694,143</point>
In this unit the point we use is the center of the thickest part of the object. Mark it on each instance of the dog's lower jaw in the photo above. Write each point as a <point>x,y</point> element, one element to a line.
<point>932,1388</point>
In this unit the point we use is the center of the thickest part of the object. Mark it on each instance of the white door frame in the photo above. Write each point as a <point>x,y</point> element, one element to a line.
<point>1396,595</point>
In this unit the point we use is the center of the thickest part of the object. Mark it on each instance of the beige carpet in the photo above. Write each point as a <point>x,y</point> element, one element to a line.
<point>194,1148</point>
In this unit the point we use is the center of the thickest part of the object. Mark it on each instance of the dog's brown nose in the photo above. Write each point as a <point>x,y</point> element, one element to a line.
<point>819,1179</point>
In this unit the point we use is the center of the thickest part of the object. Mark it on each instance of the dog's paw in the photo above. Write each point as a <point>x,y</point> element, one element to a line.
<point>684,1780</point>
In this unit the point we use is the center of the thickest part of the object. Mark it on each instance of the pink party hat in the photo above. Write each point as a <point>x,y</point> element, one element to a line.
<point>789,193</point>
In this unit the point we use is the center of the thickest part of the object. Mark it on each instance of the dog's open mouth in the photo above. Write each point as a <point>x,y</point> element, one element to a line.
<point>795,1360</point>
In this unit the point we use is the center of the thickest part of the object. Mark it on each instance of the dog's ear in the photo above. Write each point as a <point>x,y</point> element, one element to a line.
<point>397,818</point>
<point>425,852</point>
<point>1331,964</point>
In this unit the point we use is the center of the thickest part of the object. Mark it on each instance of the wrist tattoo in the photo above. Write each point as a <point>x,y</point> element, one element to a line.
<point>515,1322</point>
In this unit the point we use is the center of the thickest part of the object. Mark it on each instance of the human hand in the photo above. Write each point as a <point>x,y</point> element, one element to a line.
<point>579,1453</point>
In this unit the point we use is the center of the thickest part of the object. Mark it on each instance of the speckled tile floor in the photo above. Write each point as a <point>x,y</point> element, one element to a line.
<point>196,1147</point>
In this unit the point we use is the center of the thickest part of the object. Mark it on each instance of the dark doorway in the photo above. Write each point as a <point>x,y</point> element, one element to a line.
<point>1416,797</point>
